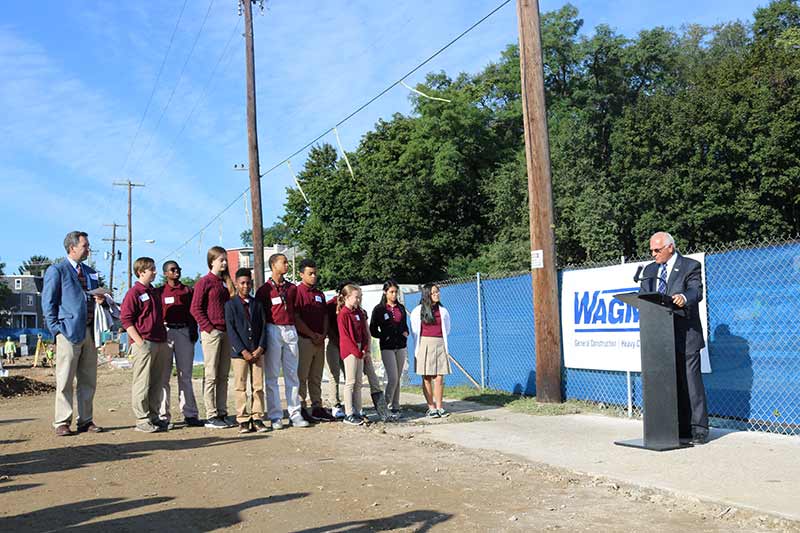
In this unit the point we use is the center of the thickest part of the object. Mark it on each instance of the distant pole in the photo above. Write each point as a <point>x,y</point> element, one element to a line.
<point>546,319</point>
<point>252,143</point>
<point>113,240</point>
<point>130,186</point>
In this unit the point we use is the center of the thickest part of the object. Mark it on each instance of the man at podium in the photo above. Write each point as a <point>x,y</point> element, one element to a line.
<point>681,278</point>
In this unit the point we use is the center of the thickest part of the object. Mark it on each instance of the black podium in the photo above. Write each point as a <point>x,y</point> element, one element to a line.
<point>659,387</point>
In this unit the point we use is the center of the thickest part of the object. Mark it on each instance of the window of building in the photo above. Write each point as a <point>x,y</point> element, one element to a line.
<point>17,284</point>
<point>29,300</point>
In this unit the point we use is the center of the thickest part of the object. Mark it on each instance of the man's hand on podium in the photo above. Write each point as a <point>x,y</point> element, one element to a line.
<point>679,300</point>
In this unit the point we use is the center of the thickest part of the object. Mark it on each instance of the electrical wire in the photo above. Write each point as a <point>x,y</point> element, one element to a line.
<point>155,85</point>
<point>177,83</point>
<point>345,119</point>
<point>197,102</point>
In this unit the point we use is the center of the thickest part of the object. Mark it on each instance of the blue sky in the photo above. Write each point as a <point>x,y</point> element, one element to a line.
<point>77,76</point>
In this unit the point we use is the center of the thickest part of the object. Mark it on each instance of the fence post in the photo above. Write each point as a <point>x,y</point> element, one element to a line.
<point>628,373</point>
<point>480,330</point>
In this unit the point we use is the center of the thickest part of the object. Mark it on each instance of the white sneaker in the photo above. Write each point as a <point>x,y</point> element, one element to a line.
<point>338,412</point>
<point>298,421</point>
<point>277,424</point>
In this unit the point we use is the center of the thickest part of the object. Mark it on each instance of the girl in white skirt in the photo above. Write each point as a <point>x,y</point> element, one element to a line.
<point>430,324</point>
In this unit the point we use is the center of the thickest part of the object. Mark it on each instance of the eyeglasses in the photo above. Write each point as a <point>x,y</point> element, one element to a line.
<point>658,250</point>
<point>173,269</point>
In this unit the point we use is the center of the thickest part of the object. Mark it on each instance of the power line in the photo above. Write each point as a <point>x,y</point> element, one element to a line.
<point>177,83</point>
<point>198,101</point>
<point>345,119</point>
<point>155,85</point>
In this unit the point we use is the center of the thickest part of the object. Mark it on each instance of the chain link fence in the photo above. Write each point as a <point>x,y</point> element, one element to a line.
<point>753,300</point>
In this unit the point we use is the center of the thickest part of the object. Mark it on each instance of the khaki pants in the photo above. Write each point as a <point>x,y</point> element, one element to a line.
<point>217,367</point>
<point>393,362</point>
<point>75,361</point>
<point>182,347</point>
<point>336,368</point>
<point>309,371</point>
<point>149,361</point>
<point>354,375</point>
<point>242,370</point>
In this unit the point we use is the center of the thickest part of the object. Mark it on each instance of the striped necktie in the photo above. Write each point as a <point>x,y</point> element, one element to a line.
<point>662,279</point>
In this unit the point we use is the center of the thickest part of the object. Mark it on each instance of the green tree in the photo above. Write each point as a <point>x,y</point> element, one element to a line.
<point>35,264</point>
<point>694,131</point>
<point>278,233</point>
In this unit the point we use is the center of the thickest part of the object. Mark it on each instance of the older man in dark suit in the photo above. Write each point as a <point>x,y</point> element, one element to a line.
<point>681,278</point>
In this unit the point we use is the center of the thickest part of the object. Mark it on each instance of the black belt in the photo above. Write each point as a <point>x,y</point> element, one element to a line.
<point>175,326</point>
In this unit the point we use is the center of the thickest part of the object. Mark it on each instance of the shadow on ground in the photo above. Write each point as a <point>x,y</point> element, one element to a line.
<point>68,458</point>
<point>417,521</point>
<point>90,515</point>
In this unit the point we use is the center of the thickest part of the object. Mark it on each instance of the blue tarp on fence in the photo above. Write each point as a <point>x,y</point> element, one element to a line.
<point>754,340</point>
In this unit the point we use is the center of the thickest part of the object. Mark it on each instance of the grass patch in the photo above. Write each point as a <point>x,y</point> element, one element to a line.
<point>524,404</point>
<point>197,371</point>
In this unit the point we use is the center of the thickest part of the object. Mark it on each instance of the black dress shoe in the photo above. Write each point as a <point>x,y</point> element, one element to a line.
<point>89,427</point>
<point>699,439</point>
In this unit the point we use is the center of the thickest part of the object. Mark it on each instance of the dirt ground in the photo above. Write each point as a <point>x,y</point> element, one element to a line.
<point>330,477</point>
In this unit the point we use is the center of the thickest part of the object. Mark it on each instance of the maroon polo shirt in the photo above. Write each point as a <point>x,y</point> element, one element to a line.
<point>141,309</point>
<point>176,302</point>
<point>310,305</point>
<point>353,334</point>
<point>396,314</point>
<point>278,300</point>
<point>433,330</point>
<point>208,303</point>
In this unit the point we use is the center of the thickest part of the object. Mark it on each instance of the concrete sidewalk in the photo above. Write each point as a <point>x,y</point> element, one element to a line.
<point>756,471</point>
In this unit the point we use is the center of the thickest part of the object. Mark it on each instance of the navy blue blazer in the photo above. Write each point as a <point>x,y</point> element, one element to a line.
<point>245,334</point>
<point>686,278</point>
<point>64,300</point>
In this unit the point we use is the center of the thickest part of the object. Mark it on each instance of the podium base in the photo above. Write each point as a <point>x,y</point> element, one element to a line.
<point>639,443</point>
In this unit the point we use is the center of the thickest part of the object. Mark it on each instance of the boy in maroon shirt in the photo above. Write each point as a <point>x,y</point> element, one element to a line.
<point>176,298</point>
<point>143,319</point>
<point>278,297</point>
<point>310,315</point>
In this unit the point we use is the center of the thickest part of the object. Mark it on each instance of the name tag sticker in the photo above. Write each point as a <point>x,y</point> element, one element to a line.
<point>276,300</point>
<point>93,276</point>
<point>144,297</point>
<point>318,298</point>
<point>386,316</point>
<point>169,300</point>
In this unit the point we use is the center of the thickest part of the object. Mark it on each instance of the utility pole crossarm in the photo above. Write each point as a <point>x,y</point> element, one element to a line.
<point>130,186</point>
<point>113,240</point>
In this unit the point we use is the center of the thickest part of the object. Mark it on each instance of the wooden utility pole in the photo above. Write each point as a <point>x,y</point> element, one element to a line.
<point>113,240</point>
<point>130,186</point>
<point>546,319</point>
<point>252,143</point>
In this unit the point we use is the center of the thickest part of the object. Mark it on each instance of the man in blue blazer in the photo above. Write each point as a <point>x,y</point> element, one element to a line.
<point>69,315</point>
<point>681,278</point>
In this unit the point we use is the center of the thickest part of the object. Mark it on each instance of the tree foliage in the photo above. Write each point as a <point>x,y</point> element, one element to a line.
<point>278,233</point>
<point>696,132</point>
<point>35,265</point>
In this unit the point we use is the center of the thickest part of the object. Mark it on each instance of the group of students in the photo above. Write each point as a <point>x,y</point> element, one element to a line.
<point>281,330</point>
